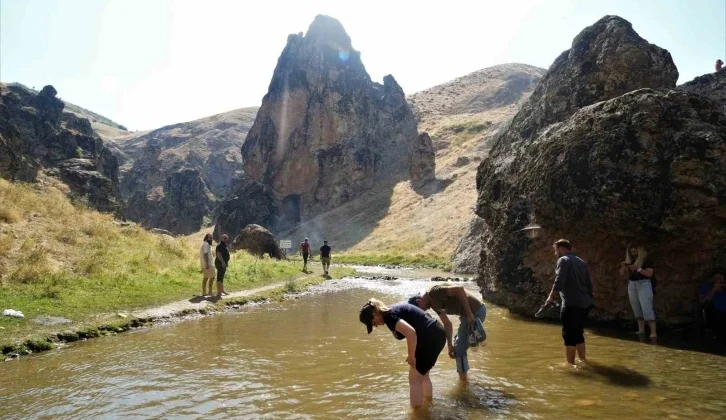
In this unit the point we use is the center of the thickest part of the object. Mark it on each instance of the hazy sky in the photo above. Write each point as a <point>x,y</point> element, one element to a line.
<point>148,63</point>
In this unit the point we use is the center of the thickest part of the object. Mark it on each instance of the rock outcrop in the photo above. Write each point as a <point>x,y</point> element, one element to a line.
<point>257,241</point>
<point>36,134</point>
<point>596,158</point>
<point>175,175</point>
<point>325,132</point>
<point>422,166</point>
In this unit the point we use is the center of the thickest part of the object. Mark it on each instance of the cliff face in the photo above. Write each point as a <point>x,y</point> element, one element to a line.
<point>36,134</point>
<point>325,132</point>
<point>175,175</point>
<point>606,152</point>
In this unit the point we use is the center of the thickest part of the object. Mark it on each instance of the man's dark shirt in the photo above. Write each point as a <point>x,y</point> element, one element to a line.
<point>222,249</point>
<point>325,251</point>
<point>572,280</point>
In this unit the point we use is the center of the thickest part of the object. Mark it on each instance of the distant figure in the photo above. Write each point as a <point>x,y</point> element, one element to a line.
<point>712,296</point>
<point>449,299</point>
<point>719,65</point>
<point>640,286</point>
<point>425,338</point>
<point>572,281</point>
<point>325,257</point>
<point>207,261</point>
<point>221,263</point>
<point>305,252</point>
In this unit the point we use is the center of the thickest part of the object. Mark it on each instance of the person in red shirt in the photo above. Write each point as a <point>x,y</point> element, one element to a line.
<point>305,252</point>
<point>719,65</point>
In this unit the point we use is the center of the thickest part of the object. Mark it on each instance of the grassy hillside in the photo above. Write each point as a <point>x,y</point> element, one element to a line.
<point>60,260</point>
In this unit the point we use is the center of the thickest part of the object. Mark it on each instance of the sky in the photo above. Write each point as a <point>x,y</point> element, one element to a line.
<point>150,63</point>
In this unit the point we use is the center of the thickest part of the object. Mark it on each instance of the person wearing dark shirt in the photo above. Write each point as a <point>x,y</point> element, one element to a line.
<point>712,296</point>
<point>572,281</point>
<point>448,299</point>
<point>220,263</point>
<point>325,256</point>
<point>719,65</point>
<point>425,338</point>
<point>640,272</point>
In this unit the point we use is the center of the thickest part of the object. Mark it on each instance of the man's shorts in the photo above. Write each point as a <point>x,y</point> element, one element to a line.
<point>325,260</point>
<point>208,273</point>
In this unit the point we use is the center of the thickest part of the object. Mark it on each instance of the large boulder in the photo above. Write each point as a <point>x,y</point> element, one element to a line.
<point>325,132</point>
<point>422,166</point>
<point>36,134</point>
<point>257,241</point>
<point>618,167</point>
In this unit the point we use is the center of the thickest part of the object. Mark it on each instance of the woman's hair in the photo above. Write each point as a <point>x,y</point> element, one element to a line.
<point>642,253</point>
<point>380,306</point>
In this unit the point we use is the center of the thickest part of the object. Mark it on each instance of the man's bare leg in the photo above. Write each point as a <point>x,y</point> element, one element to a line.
<point>570,354</point>
<point>204,285</point>
<point>581,352</point>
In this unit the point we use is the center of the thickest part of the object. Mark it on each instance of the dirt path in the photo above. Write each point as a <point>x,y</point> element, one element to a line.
<point>198,302</point>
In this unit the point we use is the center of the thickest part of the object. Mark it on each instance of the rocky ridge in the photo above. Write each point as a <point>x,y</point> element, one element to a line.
<point>35,135</point>
<point>607,152</point>
<point>325,133</point>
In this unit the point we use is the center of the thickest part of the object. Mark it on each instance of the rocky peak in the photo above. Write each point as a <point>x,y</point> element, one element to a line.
<point>325,132</point>
<point>49,107</point>
<point>605,60</point>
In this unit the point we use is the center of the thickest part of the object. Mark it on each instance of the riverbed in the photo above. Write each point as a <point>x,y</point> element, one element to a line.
<point>311,358</point>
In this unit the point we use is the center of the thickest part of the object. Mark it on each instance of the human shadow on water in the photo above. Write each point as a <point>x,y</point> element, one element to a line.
<point>616,375</point>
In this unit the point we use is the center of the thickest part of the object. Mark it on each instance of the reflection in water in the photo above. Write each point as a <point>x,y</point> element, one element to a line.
<point>311,358</point>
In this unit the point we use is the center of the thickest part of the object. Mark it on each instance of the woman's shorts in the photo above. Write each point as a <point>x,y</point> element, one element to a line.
<point>428,347</point>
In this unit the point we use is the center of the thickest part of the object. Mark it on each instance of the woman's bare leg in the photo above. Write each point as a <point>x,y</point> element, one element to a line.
<point>415,383</point>
<point>652,329</point>
<point>427,388</point>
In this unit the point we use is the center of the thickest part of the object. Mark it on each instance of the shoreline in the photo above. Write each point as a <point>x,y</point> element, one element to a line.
<point>172,312</point>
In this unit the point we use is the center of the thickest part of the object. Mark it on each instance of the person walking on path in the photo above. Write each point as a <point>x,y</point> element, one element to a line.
<point>305,249</point>
<point>719,65</point>
<point>325,257</point>
<point>572,281</point>
<point>640,286</point>
<point>425,338</point>
<point>449,299</point>
<point>207,261</point>
<point>221,263</point>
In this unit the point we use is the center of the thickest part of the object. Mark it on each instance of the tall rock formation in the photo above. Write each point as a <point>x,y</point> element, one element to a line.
<point>606,152</point>
<point>423,159</point>
<point>36,134</point>
<point>324,133</point>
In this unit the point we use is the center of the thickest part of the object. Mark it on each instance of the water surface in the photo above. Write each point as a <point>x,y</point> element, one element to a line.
<point>311,358</point>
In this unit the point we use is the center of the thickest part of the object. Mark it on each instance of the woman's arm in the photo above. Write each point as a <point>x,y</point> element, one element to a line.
<point>646,272</point>
<point>407,330</point>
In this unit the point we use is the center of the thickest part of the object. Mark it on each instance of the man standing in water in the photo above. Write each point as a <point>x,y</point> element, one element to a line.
<point>305,252</point>
<point>207,261</point>
<point>325,257</point>
<point>572,281</point>
<point>221,263</point>
<point>449,299</point>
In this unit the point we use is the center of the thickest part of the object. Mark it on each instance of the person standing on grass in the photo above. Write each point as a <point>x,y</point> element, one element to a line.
<point>325,257</point>
<point>425,338</point>
<point>572,281</point>
<point>305,249</point>
<point>207,261</point>
<point>221,263</point>
<point>449,299</point>
<point>640,273</point>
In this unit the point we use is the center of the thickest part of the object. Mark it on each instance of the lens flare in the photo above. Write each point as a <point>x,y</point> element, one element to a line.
<point>343,55</point>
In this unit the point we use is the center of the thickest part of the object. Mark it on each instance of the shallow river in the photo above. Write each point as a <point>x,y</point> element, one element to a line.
<point>311,358</point>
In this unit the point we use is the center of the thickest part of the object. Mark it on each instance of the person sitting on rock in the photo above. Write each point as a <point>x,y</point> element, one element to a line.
<point>640,286</point>
<point>449,299</point>
<point>719,65</point>
<point>712,297</point>
<point>221,263</point>
<point>305,249</point>
<point>325,257</point>
<point>425,338</point>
